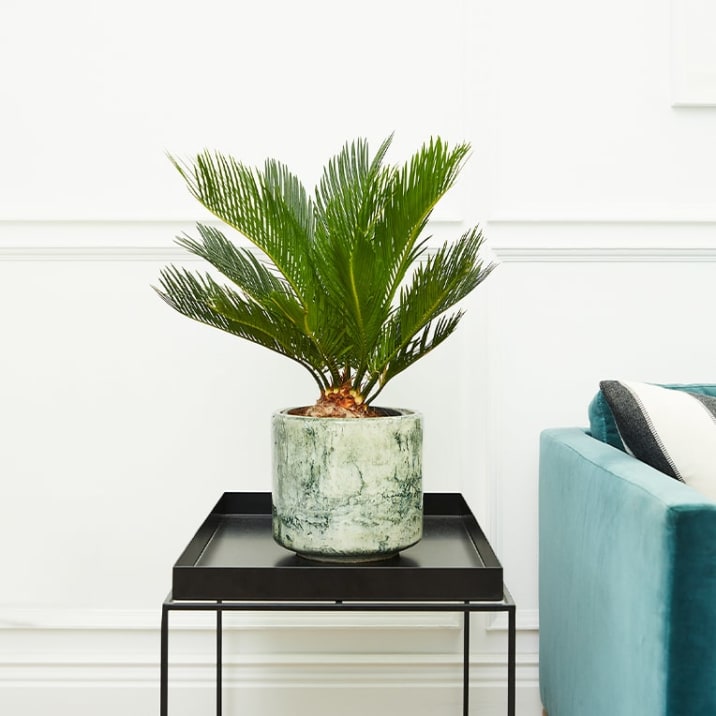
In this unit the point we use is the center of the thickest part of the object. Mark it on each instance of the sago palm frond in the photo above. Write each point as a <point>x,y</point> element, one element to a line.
<point>342,282</point>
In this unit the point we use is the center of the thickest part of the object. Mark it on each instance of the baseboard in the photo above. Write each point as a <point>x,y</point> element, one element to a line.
<point>142,700</point>
<point>299,684</point>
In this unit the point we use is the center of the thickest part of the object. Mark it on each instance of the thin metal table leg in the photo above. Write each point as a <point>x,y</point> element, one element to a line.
<point>219,653</point>
<point>466,664</point>
<point>164,663</point>
<point>511,655</point>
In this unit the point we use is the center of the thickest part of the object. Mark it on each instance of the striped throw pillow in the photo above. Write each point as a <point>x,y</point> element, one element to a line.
<point>673,431</point>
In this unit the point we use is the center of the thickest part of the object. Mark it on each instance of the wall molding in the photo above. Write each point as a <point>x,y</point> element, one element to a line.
<point>95,253</point>
<point>269,670</point>
<point>82,643</point>
<point>141,620</point>
<point>81,650</point>
<point>503,254</point>
<point>692,54</point>
<point>549,254</point>
<point>660,239</point>
<point>527,621</point>
<point>286,683</point>
<point>603,240</point>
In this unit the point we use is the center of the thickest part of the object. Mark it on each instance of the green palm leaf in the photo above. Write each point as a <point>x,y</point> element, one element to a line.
<point>271,208</point>
<point>349,199</point>
<point>203,299</point>
<point>342,282</point>
<point>417,325</point>
<point>242,267</point>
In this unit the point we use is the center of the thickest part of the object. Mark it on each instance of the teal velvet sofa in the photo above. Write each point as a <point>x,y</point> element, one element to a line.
<point>627,585</point>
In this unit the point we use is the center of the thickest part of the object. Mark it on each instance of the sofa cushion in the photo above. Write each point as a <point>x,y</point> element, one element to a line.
<point>673,431</point>
<point>602,425</point>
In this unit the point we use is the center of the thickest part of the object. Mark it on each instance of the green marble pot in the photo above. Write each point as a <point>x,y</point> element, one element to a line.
<point>347,489</point>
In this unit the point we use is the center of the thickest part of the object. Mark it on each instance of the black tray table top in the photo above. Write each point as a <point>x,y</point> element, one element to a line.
<point>233,556</point>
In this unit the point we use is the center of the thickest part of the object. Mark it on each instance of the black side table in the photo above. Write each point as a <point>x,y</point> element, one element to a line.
<point>233,564</point>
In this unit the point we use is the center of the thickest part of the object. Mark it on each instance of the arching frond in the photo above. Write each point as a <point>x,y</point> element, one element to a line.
<point>271,208</point>
<point>203,299</point>
<point>340,282</point>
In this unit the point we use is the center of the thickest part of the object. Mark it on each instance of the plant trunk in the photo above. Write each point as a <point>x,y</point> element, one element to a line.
<point>342,402</point>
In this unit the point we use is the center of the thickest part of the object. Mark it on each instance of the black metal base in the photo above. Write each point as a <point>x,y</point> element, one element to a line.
<point>507,604</point>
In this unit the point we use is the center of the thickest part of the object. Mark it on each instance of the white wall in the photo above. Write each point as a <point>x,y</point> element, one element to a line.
<point>122,422</point>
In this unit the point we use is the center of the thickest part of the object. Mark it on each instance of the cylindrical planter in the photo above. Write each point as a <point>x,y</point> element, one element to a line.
<point>347,489</point>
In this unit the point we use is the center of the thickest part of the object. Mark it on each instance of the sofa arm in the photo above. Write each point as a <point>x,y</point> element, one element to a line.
<point>627,585</point>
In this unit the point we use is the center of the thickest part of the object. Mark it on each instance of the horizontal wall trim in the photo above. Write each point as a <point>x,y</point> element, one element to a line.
<point>502,253</point>
<point>305,669</point>
<point>129,620</point>
<point>95,253</point>
<point>94,234</point>
<point>689,102</point>
<point>511,240</point>
<point>126,237</point>
<point>527,620</point>
<point>548,254</point>
<point>83,620</point>
<point>613,240</point>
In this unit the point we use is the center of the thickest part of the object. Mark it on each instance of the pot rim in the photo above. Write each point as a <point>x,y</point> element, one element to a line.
<point>401,413</point>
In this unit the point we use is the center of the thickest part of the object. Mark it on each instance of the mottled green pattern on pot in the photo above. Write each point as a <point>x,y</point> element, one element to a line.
<point>347,489</point>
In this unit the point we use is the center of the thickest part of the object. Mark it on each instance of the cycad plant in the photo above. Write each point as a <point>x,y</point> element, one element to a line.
<point>343,281</point>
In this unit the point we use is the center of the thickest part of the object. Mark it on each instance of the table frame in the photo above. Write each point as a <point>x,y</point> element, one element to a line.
<point>219,606</point>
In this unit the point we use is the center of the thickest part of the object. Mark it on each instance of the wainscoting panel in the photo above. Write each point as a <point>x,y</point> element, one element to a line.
<point>574,302</point>
<point>107,662</point>
<point>122,422</point>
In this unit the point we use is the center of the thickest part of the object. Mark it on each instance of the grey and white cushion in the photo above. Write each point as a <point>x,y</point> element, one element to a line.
<point>673,431</point>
